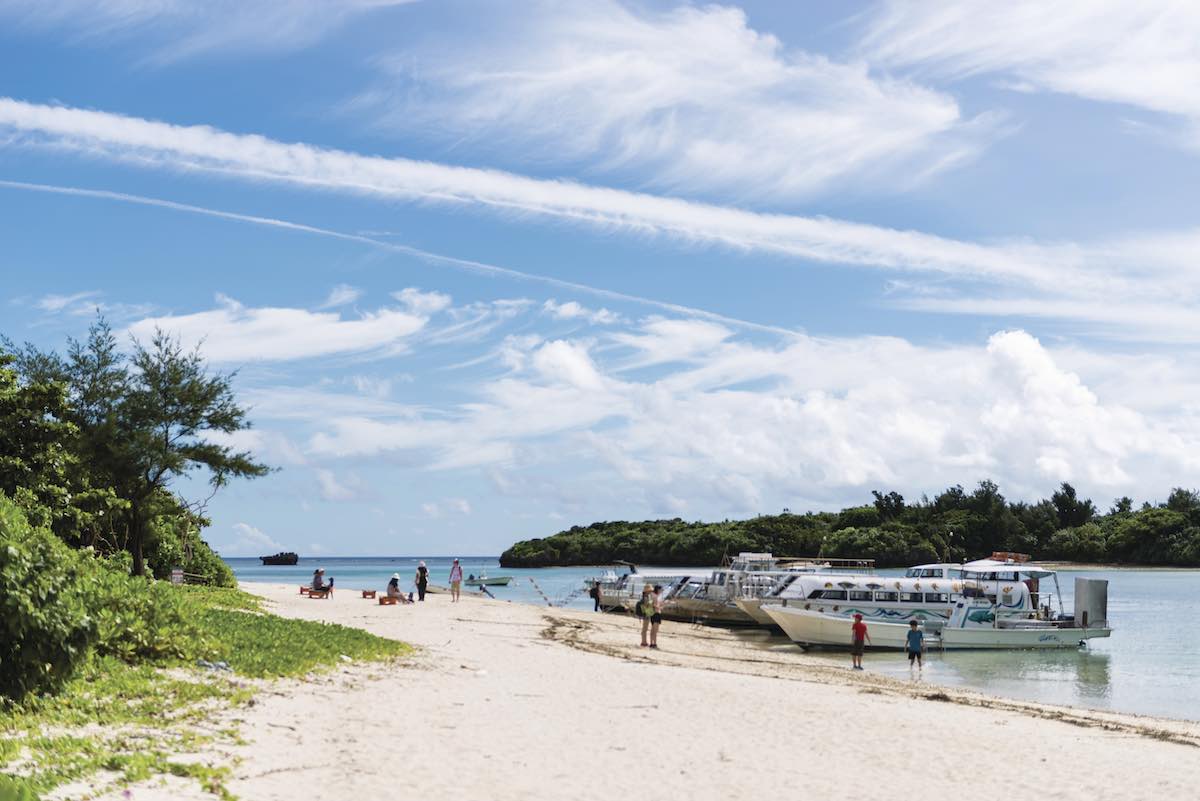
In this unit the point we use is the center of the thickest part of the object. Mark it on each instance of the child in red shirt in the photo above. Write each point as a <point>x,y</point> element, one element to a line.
<point>858,640</point>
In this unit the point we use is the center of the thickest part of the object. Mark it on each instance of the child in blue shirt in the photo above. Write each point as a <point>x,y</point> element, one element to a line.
<point>914,644</point>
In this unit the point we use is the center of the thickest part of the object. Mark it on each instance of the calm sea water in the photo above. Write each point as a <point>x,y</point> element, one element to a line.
<point>1150,665</point>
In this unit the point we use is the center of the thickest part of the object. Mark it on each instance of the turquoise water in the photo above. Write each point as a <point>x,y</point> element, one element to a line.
<point>1150,665</point>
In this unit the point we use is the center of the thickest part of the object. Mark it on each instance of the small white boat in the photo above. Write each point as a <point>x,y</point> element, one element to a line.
<point>484,580</point>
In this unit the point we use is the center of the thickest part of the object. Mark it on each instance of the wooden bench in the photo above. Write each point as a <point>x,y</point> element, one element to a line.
<point>305,589</point>
<point>318,593</point>
<point>368,593</point>
<point>386,601</point>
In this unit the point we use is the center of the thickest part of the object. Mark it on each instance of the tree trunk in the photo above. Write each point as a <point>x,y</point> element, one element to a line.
<point>135,543</point>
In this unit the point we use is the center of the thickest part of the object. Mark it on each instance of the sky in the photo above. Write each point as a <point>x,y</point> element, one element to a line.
<point>484,271</point>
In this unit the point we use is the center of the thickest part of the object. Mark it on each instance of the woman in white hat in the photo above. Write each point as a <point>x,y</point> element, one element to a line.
<point>393,588</point>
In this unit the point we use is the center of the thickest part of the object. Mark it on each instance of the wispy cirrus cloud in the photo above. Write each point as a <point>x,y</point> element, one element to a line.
<point>1143,54</point>
<point>193,26</point>
<point>689,99</point>
<point>1152,271</point>
<point>233,332</point>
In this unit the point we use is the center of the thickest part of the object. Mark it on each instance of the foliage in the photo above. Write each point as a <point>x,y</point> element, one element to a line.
<point>954,525</point>
<point>15,790</point>
<point>148,715</point>
<point>46,625</point>
<point>135,423</point>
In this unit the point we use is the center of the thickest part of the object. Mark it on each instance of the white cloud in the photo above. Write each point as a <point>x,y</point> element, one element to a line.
<point>249,541</point>
<point>236,333</point>
<point>442,508</point>
<point>341,295</point>
<point>735,425</point>
<point>1081,278</point>
<point>1144,54</point>
<point>573,310</point>
<point>332,489</point>
<point>57,303</point>
<point>422,303</point>
<point>195,26</point>
<point>691,97</point>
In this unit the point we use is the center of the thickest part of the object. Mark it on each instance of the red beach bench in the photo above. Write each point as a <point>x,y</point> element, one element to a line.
<point>318,593</point>
<point>368,593</point>
<point>305,589</point>
<point>386,601</point>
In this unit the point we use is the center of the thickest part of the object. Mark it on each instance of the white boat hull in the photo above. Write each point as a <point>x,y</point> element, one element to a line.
<point>753,608</point>
<point>807,627</point>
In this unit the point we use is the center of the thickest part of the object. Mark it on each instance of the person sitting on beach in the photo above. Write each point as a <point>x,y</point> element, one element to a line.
<point>914,644</point>
<point>318,581</point>
<point>393,589</point>
<point>858,640</point>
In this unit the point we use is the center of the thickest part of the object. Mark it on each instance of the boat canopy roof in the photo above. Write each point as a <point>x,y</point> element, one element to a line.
<point>995,565</point>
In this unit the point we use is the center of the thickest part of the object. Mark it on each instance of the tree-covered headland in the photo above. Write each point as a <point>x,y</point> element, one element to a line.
<point>954,525</point>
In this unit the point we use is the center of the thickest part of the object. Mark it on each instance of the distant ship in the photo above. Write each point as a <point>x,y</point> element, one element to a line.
<point>282,558</point>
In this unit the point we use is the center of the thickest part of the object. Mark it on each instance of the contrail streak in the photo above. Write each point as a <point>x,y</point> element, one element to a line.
<point>423,255</point>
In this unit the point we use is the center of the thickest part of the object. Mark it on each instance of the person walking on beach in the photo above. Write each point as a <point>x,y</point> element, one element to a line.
<point>859,639</point>
<point>656,606</point>
<point>455,581</point>
<point>914,644</point>
<point>422,580</point>
<point>594,594</point>
<point>645,610</point>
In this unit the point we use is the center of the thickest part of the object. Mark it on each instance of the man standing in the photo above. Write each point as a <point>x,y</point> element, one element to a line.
<point>858,640</point>
<point>455,581</point>
<point>914,644</point>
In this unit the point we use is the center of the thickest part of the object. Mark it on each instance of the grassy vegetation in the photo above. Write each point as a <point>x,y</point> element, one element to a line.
<point>130,719</point>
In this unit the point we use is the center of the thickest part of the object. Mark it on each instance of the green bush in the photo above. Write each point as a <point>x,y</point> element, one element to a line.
<point>15,790</point>
<point>141,620</point>
<point>46,628</point>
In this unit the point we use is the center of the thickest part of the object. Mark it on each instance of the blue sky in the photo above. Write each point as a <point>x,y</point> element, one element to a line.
<point>490,270</point>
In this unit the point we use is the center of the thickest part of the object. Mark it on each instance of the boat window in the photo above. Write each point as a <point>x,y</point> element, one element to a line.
<point>931,572</point>
<point>912,572</point>
<point>886,596</point>
<point>1008,576</point>
<point>954,574</point>
<point>936,598</point>
<point>860,595</point>
<point>910,597</point>
<point>833,595</point>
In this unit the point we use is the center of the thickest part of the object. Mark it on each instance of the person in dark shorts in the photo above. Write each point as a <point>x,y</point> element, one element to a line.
<point>421,580</point>
<point>594,594</point>
<point>656,605</point>
<point>645,610</point>
<point>858,641</point>
<point>914,645</point>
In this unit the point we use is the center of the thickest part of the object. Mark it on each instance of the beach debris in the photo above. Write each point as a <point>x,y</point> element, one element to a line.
<point>222,666</point>
<point>345,658</point>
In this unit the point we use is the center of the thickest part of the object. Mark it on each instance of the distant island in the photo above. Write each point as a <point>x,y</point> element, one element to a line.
<point>954,525</point>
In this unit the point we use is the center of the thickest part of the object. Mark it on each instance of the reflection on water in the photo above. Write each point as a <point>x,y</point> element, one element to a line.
<point>1150,665</point>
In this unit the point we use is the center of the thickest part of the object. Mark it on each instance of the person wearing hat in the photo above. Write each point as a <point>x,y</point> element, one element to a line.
<point>455,581</point>
<point>393,588</point>
<point>421,580</point>
<point>859,639</point>
<point>318,581</point>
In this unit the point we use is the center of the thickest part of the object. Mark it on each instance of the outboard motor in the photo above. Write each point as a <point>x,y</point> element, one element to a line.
<point>1091,603</point>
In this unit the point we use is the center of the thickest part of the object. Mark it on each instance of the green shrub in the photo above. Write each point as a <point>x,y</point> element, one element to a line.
<point>46,628</point>
<point>15,790</point>
<point>141,620</point>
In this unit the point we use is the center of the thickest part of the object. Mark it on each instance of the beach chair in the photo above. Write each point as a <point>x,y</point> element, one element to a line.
<point>384,600</point>
<point>305,589</point>
<point>368,593</point>
<point>318,593</point>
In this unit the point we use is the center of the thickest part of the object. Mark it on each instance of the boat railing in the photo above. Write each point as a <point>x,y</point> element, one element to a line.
<point>830,562</point>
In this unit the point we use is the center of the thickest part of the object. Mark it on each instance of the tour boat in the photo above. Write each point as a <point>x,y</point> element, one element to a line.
<point>923,592</point>
<point>709,596</point>
<point>982,615</point>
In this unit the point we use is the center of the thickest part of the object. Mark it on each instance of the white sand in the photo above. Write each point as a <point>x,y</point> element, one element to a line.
<point>509,701</point>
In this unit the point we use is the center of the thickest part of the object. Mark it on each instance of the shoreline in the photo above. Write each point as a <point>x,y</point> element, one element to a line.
<point>509,701</point>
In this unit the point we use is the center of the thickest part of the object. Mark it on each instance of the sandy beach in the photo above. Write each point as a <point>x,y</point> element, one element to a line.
<point>507,701</point>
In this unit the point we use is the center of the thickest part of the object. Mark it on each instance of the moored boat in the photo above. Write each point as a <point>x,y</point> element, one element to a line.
<point>978,618</point>
<point>281,558</point>
<point>484,580</point>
